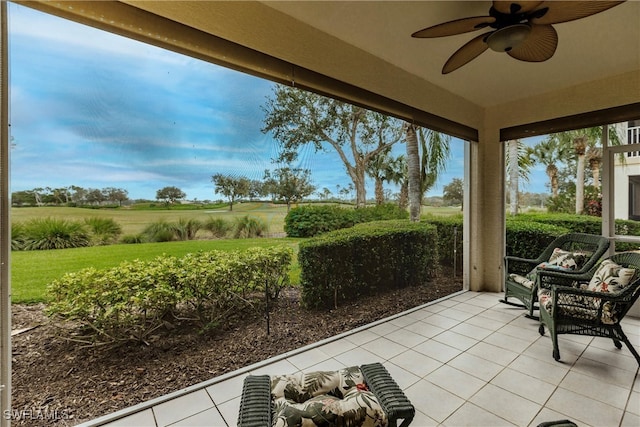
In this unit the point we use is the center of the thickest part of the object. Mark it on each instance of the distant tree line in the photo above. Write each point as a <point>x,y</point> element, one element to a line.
<point>284,184</point>
<point>69,196</point>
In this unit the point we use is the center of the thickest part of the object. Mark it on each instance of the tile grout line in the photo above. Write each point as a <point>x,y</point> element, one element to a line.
<point>114,416</point>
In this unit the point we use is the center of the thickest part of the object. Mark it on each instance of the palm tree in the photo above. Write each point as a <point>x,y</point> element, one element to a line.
<point>594,159</point>
<point>435,153</point>
<point>396,173</point>
<point>548,152</point>
<point>423,170</point>
<point>413,172</point>
<point>378,168</point>
<point>582,141</point>
<point>518,167</point>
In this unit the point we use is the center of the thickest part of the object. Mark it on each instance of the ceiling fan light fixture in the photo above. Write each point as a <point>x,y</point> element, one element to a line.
<point>507,38</point>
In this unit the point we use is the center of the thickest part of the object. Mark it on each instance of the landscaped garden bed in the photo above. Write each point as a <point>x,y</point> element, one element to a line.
<point>79,383</point>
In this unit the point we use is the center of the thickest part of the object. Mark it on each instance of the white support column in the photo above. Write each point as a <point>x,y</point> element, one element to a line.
<point>608,202</point>
<point>486,212</point>
<point>5,227</point>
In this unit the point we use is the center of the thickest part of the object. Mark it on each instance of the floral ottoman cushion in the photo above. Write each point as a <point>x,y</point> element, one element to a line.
<point>332,398</point>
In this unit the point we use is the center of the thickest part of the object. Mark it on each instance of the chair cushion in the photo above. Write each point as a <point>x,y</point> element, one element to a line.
<point>608,278</point>
<point>325,398</point>
<point>566,259</point>
<point>559,260</point>
<point>522,280</point>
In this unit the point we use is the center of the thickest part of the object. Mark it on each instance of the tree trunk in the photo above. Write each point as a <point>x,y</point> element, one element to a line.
<point>580,185</point>
<point>580,146</point>
<point>361,192</point>
<point>552,173</point>
<point>594,165</point>
<point>413,166</point>
<point>403,198</point>
<point>379,191</point>
<point>513,177</point>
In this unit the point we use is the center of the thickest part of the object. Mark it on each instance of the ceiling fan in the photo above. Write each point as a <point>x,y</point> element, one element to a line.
<point>522,29</point>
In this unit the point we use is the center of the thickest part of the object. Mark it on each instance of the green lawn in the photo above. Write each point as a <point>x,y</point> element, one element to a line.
<point>31,271</point>
<point>133,221</point>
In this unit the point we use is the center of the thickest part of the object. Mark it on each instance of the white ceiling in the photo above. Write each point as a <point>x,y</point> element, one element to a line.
<point>589,49</point>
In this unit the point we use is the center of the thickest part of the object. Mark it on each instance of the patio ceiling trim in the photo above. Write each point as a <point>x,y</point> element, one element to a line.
<point>578,121</point>
<point>129,21</point>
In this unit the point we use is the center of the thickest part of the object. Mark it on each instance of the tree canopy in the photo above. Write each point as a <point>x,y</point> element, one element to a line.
<point>170,195</point>
<point>232,187</point>
<point>288,184</point>
<point>298,118</point>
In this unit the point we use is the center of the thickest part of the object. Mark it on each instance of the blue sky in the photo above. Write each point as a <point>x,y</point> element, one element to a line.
<point>96,110</point>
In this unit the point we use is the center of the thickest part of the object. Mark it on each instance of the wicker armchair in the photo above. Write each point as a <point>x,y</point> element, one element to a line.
<point>523,288</point>
<point>567,308</point>
<point>256,404</point>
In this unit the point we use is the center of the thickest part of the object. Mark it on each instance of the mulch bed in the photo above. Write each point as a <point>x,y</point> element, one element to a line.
<point>56,382</point>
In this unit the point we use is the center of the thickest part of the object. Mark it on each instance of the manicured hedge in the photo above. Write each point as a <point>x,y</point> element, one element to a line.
<point>309,221</point>
<point>343,265</point>
<point>587,224</point>
<point>528,239</point>
<point>131,301</point>
<point>450,237</point>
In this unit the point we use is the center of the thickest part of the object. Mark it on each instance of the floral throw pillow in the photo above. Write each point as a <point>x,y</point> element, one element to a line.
<point>561,260</point>
<point>566,259</point>
<point>611,277</point>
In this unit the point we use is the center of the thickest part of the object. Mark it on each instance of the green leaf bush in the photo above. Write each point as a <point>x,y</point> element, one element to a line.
<point>528,239</point>
<point>342,265</point>
<point>586,224</point>
<point>450,237</point>
<point>312,220</point>
<point>136,298</point>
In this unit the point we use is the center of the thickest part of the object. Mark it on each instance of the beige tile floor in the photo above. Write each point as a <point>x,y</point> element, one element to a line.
<point>466,360</point>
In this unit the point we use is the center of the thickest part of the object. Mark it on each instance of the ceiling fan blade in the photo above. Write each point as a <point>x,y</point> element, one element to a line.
<point>466,54</point>
<point>459,26</point>
<point>509,7</point>
<point>539,46</point>
<point>564,11</point>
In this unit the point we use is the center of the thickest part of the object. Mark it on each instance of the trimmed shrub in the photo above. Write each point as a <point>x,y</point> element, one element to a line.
<point>450,237</point>
<point>343,265</point>
<point>136,298</point>
<point>309,221</point>
<point>575,223</point>
<point>528,239</point>
<point>382,212</point>
<point>587,224</point>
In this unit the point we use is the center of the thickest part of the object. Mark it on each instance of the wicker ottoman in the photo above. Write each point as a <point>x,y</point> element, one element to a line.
<point>256,405</point>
